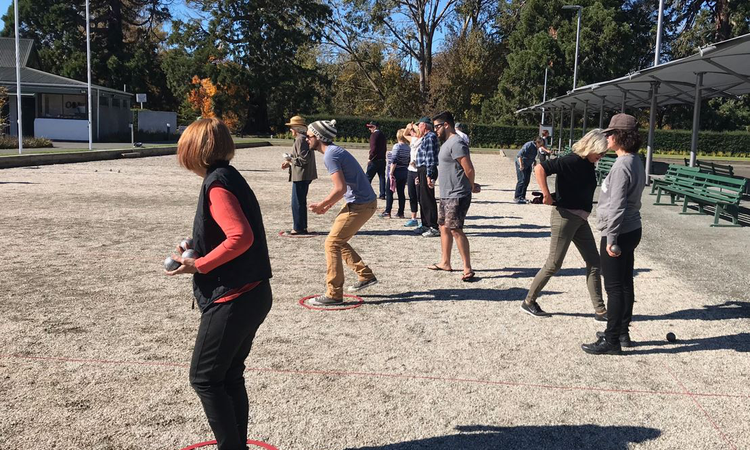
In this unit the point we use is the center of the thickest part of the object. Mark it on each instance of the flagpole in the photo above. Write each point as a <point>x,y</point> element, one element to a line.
<point>18,79</point>
<point>88,70</point>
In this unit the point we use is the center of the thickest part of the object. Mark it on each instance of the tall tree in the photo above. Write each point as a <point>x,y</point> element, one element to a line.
<point>263,38</point>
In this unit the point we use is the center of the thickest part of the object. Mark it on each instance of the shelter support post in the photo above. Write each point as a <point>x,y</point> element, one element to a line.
<point>585,115</point>
<point>552,136</point>
<point>572,118</point>
<point>601,113</point>
<point>624,99</point>
<point>559,139</point>
<point>651,126</point>
<point>696,118</point>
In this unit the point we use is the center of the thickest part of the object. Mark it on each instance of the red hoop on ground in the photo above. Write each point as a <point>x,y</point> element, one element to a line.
<point>251,442</point>
<point>298,236</point>
<point>347,305</point>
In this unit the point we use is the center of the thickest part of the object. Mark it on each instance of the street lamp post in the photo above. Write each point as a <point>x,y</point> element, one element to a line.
<point>578,37</point>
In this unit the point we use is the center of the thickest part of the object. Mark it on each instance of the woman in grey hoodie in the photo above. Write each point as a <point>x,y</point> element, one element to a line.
<point>619,220</point>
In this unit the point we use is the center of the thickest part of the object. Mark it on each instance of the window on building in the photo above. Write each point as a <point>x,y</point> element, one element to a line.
<point>64,106</point>
<point>115,102</point>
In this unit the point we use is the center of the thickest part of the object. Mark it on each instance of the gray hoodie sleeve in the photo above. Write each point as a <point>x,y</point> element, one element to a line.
<point>618,184</point>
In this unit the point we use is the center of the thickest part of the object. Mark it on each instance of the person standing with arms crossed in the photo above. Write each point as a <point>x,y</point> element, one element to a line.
<point>619,221</point>
<point>349,183</point>
<point>427,172</point>
<point>456,178</point>
<point>230,282</point>
<point>302,170</point>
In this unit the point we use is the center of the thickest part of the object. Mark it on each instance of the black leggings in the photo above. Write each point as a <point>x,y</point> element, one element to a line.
<point>618,282</point>
<point>225,336</point>
<point>413,192</point>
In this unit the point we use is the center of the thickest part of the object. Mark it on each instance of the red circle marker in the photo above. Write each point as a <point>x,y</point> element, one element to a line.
<point>297,236</point>
<point>251,442</point>
<point>356,304</point>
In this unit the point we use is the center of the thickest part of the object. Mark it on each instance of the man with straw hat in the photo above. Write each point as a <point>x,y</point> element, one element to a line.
<point>302,170</point>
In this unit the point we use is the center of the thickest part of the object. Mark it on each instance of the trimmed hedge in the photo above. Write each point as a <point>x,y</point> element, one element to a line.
<point>674,142</point>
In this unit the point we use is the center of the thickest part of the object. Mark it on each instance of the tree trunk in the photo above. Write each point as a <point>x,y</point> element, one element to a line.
<point>257,115</point>
<point>723,25</point>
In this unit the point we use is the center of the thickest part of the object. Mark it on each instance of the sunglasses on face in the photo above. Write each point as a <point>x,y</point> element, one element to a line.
<point>439,125</point>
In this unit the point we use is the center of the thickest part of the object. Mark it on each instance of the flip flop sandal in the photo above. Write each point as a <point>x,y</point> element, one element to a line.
<point>469,277</point>
<point>436,267</point>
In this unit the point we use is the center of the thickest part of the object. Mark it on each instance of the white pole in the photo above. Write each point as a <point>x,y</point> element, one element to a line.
<point>544,96</point>
<point>657,52</point>
<point>19,127</point>
<point>88,65</point>
<point>578,36</point>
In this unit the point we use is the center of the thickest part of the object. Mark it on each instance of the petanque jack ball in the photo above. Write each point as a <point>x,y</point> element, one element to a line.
<point>170,264</point>
<point>190,253</point>
<point>671,337</point>
<point>186,244</point>
<point>616,250</point>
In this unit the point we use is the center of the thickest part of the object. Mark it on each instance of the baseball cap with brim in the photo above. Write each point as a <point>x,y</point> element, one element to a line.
<point>426,120</point>
<point>622,122</point>
<point>372,124</point>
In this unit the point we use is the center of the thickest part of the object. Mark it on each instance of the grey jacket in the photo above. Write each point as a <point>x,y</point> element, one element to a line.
<point>619,209</point>
<point>303,161</point>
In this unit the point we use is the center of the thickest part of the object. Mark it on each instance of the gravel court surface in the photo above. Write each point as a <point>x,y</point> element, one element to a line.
<point>96,341</point>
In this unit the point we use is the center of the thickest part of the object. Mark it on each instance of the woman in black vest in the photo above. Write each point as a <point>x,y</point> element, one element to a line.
<point>230,279</point>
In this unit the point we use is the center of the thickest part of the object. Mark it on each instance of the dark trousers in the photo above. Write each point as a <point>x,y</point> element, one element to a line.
<point>299,204</point>
<point>524,177</point>
<point>427,203</point>
<point>377,167</point>
<point>225,336</point>
<point>413,191</point>
<point>618,282</point>
<point>400,175</point>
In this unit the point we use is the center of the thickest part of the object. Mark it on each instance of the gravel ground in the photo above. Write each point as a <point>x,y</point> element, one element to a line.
<point>96,340</point>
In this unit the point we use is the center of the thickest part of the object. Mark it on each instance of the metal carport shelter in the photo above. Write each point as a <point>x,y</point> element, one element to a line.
<point>718,70</point>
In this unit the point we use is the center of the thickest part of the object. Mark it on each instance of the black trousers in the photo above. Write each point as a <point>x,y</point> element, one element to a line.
<point>413,191</point>
<point>427,203</point>
<point>618,282</point>
<point>377,167</point>
<point>400,175</point>
<point>225,336</point>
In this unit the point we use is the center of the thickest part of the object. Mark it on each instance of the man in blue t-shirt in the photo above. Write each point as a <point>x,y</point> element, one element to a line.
<point>351,184</point>
<point>524,162</point>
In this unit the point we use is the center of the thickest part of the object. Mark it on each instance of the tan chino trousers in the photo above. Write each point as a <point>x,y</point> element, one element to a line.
<point>349,220</point>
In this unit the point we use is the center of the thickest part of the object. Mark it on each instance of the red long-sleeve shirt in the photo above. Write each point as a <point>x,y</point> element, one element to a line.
<point>227,212</point>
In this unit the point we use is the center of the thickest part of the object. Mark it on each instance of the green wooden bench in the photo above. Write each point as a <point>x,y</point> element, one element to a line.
<point>712,168</point>
<point>603,167</point>
<point>670,176</point>
<point>723,193</point>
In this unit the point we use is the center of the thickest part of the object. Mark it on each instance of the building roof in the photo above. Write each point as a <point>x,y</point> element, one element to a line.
<point>8,51</point>
<point>35,78</point>
<point>726,73</point>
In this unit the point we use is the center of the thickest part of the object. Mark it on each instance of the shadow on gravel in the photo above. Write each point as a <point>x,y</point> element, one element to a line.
<point>402,232</point>
<point>512,234</point>
<point>724,311</point>
<point>491,295</point>
<point>523,226</point>
<point>491,217</point>
<point>530,272</point>
<point>16,182</point>
<point>738,342</point>
<point>559,437</point>
<point>490,202</point>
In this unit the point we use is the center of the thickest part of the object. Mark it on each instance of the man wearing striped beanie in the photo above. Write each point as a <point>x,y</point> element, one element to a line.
<point>360,203</point>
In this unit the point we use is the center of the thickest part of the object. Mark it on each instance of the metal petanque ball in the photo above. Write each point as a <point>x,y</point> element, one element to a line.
<point>170,264</point>
<point>671,337</point>
<point>616,249</point>
<point>190,253</point>
<point>186,244</point>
